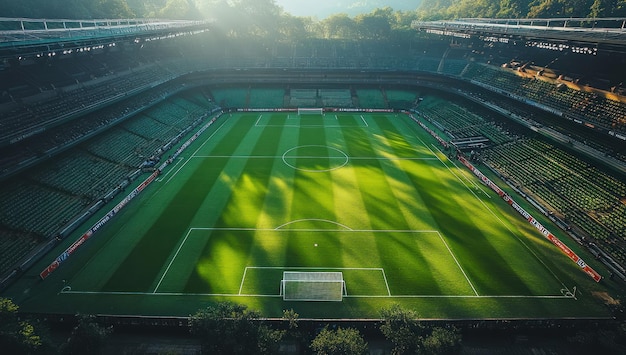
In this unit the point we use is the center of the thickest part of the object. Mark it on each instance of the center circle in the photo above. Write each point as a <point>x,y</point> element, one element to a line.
<point>315,158</point>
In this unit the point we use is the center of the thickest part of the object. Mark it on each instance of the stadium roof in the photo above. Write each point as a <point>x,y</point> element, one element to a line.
<point>25,35</point>
<point>600,31</point>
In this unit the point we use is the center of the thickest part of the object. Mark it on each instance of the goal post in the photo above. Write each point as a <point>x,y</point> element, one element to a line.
<point>312,286</point>
<point>310,111</point>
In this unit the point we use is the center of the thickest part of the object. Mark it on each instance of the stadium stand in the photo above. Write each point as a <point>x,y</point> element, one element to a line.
<point>576,191</point>
<point>231,97</point>
<point>335,97</point>
<point>570,103</point>
<point>67,186</point>
<point>458,122</point>
<point>303,98</point>
<point>400,98</point>
<point>263,98</point>
<point>371,98</point>
<point>81,174</point>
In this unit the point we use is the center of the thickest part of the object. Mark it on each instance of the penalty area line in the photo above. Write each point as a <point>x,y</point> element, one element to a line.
<point>386,283</point>
<point>243,278</point>
<point>457,263</point>
<point>363,118</point>
<point>172,261</point>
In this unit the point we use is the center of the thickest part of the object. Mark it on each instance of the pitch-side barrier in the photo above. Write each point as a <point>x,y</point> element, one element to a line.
<point>81,240</point>
<point>546,233</point>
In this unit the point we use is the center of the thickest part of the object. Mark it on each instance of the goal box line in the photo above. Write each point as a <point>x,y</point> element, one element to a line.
<point>381,285</point>
<point>384,285</point>
<point>294,120</point>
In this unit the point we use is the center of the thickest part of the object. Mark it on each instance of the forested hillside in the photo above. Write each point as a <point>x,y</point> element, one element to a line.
<point>449,9</point>
<point>266,16</point>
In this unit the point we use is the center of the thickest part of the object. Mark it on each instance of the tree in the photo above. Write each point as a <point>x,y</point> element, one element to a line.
<point>403,329</point>
<point>18,336</point>
<point>608,8</point>
<point>375,25</point>
<point>339,26</point>
<point>179,9</point>
<point>559,8</point>
<point>292,317</point>
<point>294,28</point>
<point>258,17</point>
<point>229,328</point>
<point>110,9</point>
<point>443,341</point>
<point>88,337</point>
<point>408,336</point>
<point>340,341</point>
<point>430,10</point>
<point>512,9</point>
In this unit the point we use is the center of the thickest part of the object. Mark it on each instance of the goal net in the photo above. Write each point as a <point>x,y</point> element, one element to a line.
<point>310,111</point>
<point>312,286</point>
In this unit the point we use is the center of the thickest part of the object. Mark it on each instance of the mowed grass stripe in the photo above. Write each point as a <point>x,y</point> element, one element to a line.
<point>276,209</point>
<point>380,206</point>
<point>142,266</point>
<point>349,205</point>
<point>242,210</point>
<point>441,270</point>
<point>453,209</point>
<point>400,259</point>
<point>448,200</point>
<point>312,202</point>
<point>394,142</point>
<point>498,233</point>
<point>221,266</point>
<point>213,213</point>
<point>408,197</point>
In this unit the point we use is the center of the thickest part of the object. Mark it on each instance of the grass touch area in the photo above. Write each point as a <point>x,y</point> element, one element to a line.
<point>367,195</point>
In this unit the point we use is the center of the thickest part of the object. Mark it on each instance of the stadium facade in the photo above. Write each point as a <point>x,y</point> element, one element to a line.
<point>66,84</point>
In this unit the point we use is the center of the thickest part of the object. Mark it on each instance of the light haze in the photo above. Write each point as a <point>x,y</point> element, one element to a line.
<point>324,8</point>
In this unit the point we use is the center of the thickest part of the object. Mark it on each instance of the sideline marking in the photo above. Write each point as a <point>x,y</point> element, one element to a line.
<point>123,293</point>
<point>480,200</point>
<point>457,263</point>
<point>172,261</point>
<point>196,151</point>
<point>179,160</point>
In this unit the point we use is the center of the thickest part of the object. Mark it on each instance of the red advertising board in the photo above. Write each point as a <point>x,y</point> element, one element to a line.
<point>546,233</point>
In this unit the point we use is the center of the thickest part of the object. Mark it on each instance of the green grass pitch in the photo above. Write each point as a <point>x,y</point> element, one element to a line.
<point>369,195</point>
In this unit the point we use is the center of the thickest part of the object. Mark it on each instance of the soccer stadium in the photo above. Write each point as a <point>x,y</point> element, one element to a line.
<point>475,172</point>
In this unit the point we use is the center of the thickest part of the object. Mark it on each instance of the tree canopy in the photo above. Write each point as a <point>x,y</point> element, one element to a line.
<point>88,337</point>
<point>229,328</point>
<point>19,336</point>
<point>449,9</point>
<point>266,16</point>
<point>408,335</point>
<point>339,341</point>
